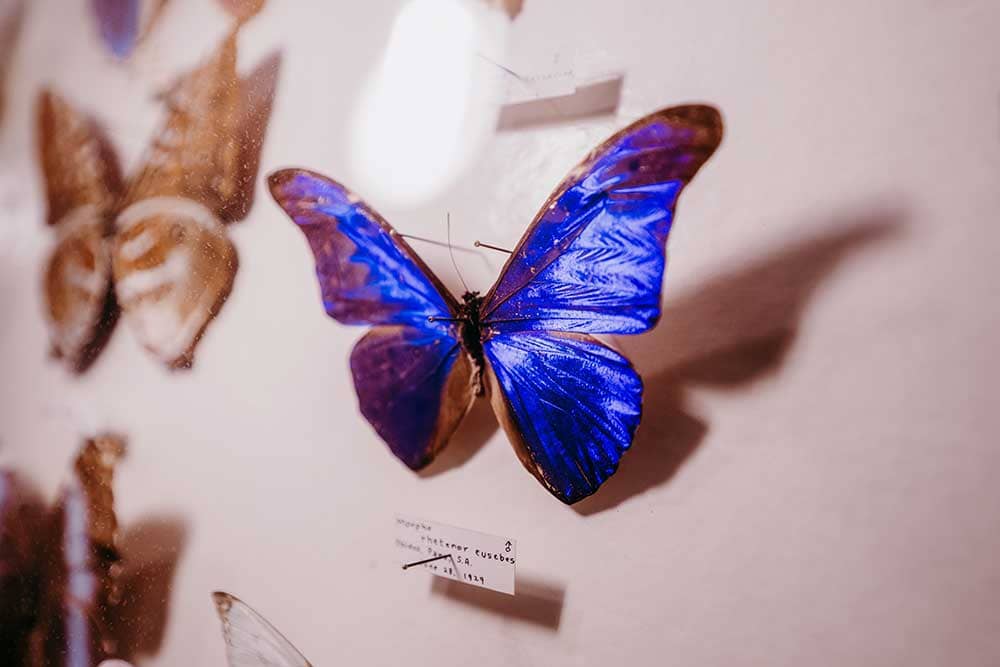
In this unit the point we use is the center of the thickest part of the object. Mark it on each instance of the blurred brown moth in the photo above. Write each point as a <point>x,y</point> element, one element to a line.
<point>59,567</point>
<point>152,248</point>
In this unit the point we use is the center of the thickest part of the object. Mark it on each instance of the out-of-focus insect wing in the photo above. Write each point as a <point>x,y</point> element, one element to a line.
<point>250,640</point>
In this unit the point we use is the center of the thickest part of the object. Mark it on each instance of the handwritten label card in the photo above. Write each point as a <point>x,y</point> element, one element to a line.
<point>471,557</point>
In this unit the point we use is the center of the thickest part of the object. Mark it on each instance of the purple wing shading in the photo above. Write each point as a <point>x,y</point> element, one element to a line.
<point>569,404</point>
<point>414,386</point>
<point>20,520</point>
<point>367,273</point>
<point>118,21</point>
<point>593,259</point>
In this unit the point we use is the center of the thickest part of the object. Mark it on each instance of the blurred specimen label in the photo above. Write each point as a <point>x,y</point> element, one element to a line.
<point>468,556</point>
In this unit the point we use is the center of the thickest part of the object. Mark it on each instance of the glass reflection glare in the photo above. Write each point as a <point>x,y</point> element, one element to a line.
<point>431,102</point>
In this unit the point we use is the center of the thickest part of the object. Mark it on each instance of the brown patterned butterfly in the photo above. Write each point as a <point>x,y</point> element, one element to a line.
<point>59,567</point>
<point>154,248</point>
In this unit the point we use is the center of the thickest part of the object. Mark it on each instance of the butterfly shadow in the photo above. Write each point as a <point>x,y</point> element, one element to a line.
<point>151,549</point>
<point>535,601</point>
<point>727,333</point>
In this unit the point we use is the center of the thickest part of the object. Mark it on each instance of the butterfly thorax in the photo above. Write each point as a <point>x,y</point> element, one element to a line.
<point>471,333</point>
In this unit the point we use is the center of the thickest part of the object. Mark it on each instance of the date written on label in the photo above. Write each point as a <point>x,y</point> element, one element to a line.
<point>468,556</point>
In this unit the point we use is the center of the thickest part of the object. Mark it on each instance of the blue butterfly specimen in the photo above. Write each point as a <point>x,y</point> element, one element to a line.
<point>591,262</point>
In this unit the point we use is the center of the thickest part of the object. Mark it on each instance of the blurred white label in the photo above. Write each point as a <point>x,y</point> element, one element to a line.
<point>468,556</point>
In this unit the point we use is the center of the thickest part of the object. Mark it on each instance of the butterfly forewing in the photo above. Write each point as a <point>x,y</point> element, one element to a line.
<point>196,154</point>
<point>367,273</point>
<point>593,259</point>
<point>250,640</point>
<point>79,165</point>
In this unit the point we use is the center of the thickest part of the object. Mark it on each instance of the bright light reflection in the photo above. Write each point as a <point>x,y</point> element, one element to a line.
<point>429,106</point>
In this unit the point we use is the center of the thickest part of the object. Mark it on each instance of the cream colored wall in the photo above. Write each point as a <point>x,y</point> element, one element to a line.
<point>815,479</point>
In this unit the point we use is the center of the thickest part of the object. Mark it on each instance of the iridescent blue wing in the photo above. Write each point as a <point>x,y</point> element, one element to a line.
<point>367,273</point>
<point>593,259</point>
<point>414,382</point>
<point>569,404</point>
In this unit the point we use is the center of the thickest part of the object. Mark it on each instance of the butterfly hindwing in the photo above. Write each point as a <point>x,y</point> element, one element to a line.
<point>593,259</point>
<point>250,640</point>
<point>412,378</point>
<point>570,406</point>
<point>414,387</point>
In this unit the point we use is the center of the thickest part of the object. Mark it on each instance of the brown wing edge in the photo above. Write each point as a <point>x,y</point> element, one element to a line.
<point>706,120</point>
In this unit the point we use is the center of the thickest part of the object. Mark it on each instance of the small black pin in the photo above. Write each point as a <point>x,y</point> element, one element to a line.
<point>425,561</point>
<point>480,244</point>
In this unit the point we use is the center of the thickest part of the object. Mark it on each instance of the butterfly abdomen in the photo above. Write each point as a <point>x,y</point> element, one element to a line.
<point>471,334</point>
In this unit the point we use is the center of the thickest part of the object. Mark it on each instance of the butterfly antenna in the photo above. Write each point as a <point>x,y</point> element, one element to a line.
<point>451,252</point>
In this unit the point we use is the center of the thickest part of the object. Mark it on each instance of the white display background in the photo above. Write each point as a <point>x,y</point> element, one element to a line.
<point>815,478</point>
